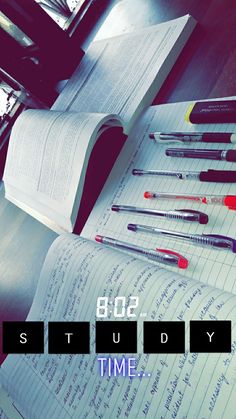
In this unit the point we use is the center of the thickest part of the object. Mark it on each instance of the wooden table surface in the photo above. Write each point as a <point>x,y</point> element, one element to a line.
<point>205,69</point>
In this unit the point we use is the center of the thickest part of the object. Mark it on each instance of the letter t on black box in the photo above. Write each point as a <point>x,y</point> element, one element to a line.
<point>68,338</point>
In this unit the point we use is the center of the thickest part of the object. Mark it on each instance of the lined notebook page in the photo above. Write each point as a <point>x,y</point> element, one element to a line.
<point>7,406</point>
<point>75,273</point>
<point>212,266</point>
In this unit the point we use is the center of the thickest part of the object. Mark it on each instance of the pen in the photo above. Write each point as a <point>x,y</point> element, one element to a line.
<point>228,155</point>
<point>226,200</point>
<point>189,137</point>
<point>160,255</point>
<point>181,214</point>
<point>211,175</point>
<point>212,240</point>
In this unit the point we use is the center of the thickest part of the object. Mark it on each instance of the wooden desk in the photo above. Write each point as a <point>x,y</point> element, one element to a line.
<point>206,68</point>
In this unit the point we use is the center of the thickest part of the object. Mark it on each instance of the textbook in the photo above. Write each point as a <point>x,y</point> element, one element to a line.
<point>84,281</point>
<point>49,150</point>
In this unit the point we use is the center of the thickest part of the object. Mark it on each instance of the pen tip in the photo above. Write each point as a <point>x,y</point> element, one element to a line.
<point>152,136</point>
<point>98,238</point>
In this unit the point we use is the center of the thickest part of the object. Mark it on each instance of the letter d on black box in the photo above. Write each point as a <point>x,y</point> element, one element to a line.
<point>23,337</point>
<point>164,337</point>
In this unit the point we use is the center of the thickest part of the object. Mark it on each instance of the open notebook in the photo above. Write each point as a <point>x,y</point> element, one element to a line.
<point>75,273</point>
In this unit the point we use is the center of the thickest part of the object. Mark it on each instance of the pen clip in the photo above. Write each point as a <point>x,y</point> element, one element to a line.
<point>167,141</point>
<point>182,261</point>
<point>202,217</point>
<point>230,239</point>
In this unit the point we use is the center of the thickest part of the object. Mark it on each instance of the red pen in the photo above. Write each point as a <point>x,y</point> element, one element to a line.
<point>168,257</point>
<point>226,200</point>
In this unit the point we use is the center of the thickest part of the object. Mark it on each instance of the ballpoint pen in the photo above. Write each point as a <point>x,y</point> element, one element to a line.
<point>180,214</point>
<point>190,137</point>
<point>211,240</point>
<point>226,200</point>
<point>211,175</point>
<point>228,155</point>
<point>165,256</point>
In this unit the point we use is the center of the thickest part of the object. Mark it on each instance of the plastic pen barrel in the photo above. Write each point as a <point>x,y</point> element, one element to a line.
<point>228,155</point>
<point>168,257</point>
<point>181,214</point>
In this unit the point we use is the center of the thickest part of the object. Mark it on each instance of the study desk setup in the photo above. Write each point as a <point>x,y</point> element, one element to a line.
<point>160,231</point>
<point>176,207</point>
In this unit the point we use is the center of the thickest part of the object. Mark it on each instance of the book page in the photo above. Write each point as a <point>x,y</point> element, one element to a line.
<point>47,160</point>
<point>76,272</point>
<point>123,74</point>
<point>209,265</point>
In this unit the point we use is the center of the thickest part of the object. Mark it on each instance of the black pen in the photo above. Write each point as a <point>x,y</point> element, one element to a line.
<point>189,137</point>
<point>211,175</point>
<point>228,155</point>
<point>180,214</point>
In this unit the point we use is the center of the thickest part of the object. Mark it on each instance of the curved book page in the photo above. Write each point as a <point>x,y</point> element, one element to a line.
<point>47,161</point>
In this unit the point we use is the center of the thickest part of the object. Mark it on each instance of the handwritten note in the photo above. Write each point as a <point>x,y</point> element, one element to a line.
<point>75,273</point>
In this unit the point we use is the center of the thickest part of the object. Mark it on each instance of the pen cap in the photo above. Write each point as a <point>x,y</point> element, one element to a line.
<point>230,202</point>
<point>214,111</point>
<point>201,216</point>
<point>182,261</point>
<point>231,155</point>
<point>224,176</point>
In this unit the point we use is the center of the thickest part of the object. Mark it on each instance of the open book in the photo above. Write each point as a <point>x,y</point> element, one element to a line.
<point>49,150</point>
